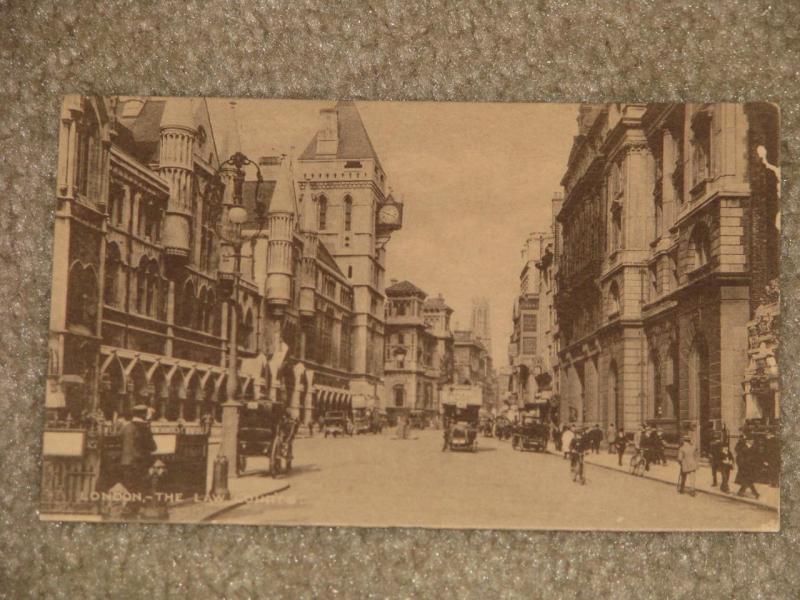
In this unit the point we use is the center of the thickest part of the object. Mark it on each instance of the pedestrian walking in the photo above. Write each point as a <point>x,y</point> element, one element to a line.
<point>566,439</point>
<point>557,433</point>
<point>714,459</point>
<point>637,437</point>
<point>619,443</point>
<point>611,437</point>
<point>725,466</point>
<point>646,447</point>
<point>597,438</point>
<point>136,457</point>
<point>747,464</point>
<point>659,457</point>
<point>687,458</point>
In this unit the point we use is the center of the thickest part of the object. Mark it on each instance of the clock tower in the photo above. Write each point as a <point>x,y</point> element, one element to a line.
<point>344,198</point>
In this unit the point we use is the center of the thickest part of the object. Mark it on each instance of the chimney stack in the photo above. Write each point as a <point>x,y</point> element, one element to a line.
<point>328,133</point>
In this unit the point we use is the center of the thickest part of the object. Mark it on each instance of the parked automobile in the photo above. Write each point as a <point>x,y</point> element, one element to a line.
<point>362,422</point>
<point>530,433</point>
<point>337,423</point>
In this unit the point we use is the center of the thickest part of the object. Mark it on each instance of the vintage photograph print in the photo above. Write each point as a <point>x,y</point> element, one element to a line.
<point>449,315</point>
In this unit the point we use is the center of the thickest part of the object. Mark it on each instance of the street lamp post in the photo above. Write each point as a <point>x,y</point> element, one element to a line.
<point>229,218</point>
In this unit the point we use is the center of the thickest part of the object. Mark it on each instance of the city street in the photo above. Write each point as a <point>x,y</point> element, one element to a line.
<point>382,481</point>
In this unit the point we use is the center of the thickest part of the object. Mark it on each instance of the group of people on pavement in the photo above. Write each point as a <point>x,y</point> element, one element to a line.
<point>648,443</point>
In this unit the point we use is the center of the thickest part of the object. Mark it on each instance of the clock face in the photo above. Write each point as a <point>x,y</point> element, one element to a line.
<point>390,214</point>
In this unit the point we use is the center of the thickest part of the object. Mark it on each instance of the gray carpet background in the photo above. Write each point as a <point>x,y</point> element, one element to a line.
<point>436,50</point>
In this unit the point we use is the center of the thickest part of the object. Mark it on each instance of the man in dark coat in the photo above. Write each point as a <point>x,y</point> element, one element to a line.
<point>747,463</point>
<point>597,438</point>
<point>138,447</point>
<point>620,442</point>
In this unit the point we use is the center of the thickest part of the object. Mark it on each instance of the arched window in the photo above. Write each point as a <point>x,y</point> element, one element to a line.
<point>210,324</point>
<point>348,213</point>
<point>613,299</point>
<point>187,304</point>
<point>88,151</point>
<point>199,317</point>
<point>657,390</point>
<point>247,330</point>
<point>141,286</point>
<point>153,280</point>
<point>82,296</point>
<point>399,396</point>
<point>701,245</point>
<point>111,277</point>
<point>322,213</point>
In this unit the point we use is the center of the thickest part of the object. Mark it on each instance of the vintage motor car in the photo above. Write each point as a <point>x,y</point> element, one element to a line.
<point>461,405</point>
<point>336,423</point>
<point>362,421</point>
<point>487,426</point>
<point>502,428</point>
<point>265,429</point>
<point>461,432</point>
<point>530,433</point>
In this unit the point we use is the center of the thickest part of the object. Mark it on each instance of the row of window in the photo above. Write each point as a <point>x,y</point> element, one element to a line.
<point>322,213</point>
<point>147,212</point>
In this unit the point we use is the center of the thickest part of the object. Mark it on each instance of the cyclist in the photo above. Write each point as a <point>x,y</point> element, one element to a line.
<point>577,448</point>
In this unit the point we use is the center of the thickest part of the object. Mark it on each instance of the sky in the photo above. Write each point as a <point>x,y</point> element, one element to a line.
<point>475,180</point>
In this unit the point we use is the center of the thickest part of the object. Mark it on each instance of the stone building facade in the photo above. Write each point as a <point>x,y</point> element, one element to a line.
<point>668,244</point>
<point>524,347</point>
<point>419,349</point>
<point>343,191</point>
<point>472,364</point>
<point>144,309</point>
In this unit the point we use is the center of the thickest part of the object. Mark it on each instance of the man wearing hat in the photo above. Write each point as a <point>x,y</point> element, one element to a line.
<point>138,446</point>
<point>687,458</point>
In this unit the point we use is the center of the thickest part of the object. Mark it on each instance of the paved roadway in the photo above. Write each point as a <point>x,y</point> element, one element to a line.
<point>381,481</point>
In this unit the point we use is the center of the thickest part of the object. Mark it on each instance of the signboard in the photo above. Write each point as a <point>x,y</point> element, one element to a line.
<point>166,443</point>
<point>463,396</point>
<point>64,443</point>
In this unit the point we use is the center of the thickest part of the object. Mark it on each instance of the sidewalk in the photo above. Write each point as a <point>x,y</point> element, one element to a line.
<point>243,489</point>
<point>770,497</point>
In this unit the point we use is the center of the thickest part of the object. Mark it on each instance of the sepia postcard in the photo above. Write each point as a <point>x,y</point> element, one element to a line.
<point>417,314</point>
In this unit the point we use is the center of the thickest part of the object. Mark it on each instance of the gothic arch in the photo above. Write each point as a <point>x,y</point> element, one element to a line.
<point>82,296</point>
<point>113,267</point>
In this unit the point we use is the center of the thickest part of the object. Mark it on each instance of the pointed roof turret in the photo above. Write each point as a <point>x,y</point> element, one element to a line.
<point>283,197</point>
<point>179,113</point>
<point>351,135</point>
